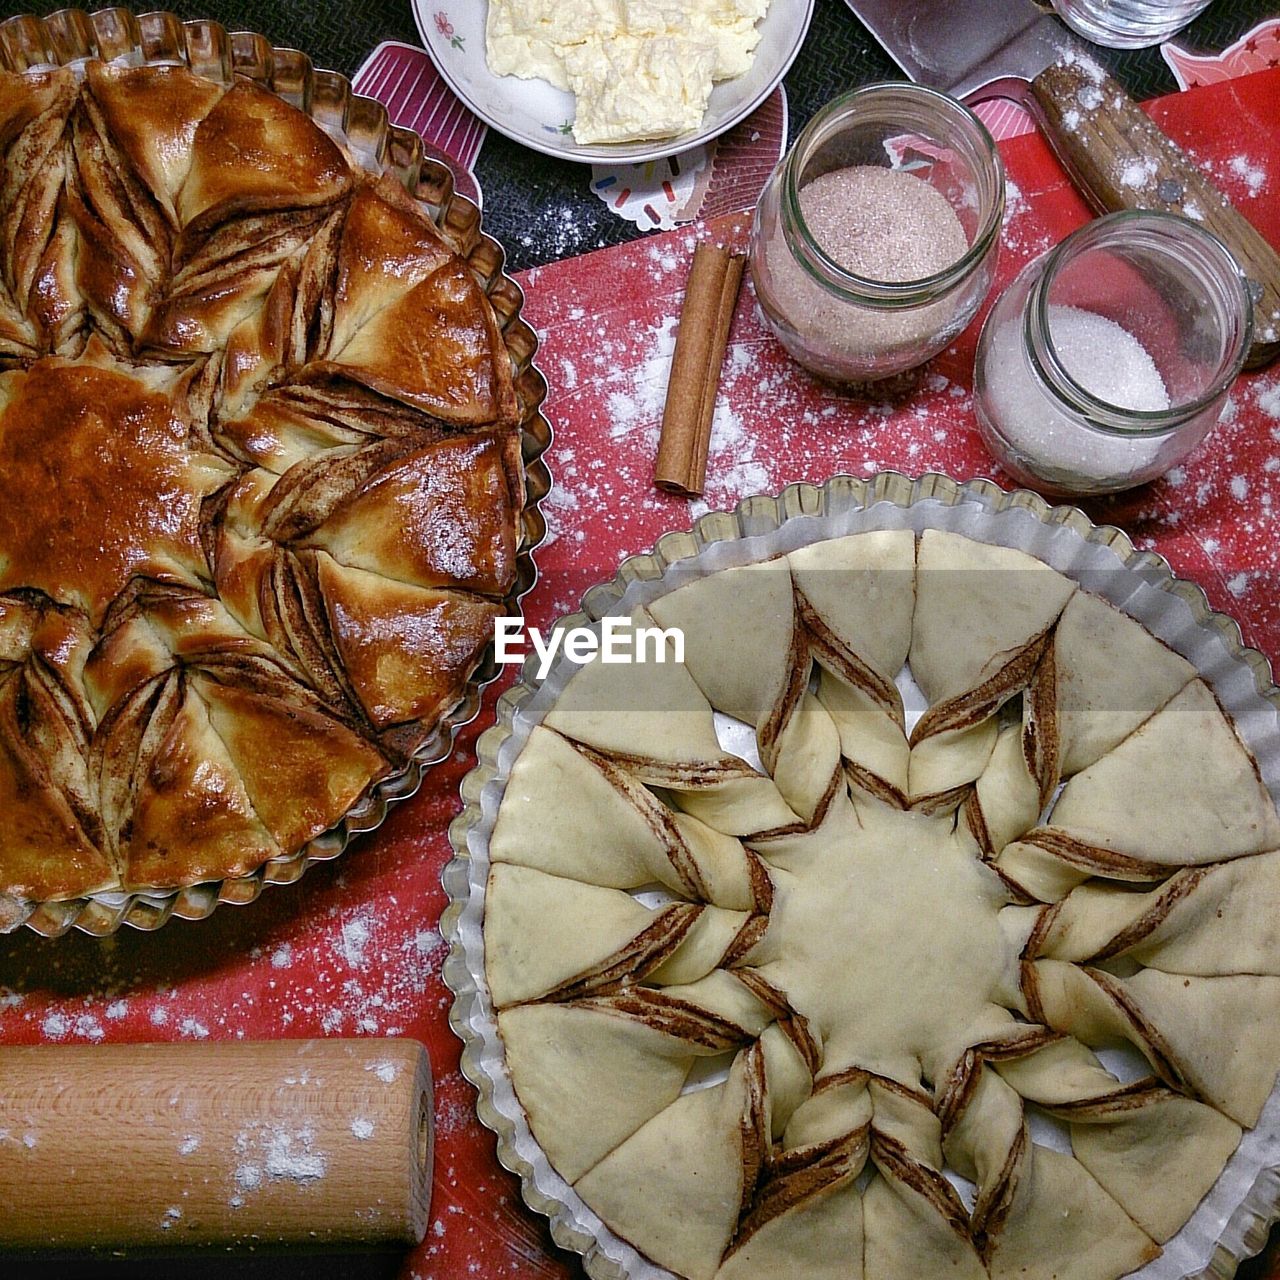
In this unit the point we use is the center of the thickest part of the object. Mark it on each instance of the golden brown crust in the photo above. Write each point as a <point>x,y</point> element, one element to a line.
<point>407,651</point>
<point>255,153</point>
<point>438,347</point>
<point>152,113</point>
<point>100,507</point>
<point>302,768</point>
<point>51,846</point>
<point>385,251</point>
<point>191,818</point>
<point>46,853</point>
<point>34,110</point>
<point>443,515</point>
<point>210,648</point>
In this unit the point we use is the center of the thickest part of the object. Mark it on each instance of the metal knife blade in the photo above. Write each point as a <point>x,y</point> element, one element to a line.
<point>971,49</point>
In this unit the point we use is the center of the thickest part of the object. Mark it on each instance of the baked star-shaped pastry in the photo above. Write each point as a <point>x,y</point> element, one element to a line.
<point>255,549</point>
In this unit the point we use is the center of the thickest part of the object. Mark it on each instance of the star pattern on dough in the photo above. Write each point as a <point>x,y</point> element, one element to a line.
<point>797,1010</point>
<point>261,439</point>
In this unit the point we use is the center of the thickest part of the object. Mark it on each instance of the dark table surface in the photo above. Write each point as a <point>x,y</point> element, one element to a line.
<point>526,192</point>
<point>523,191</point>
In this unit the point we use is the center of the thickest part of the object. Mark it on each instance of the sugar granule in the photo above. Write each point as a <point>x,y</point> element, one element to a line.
<point>301,1166</point>
<point>354,938</point>
<point>426,940</point>
<point>1138,173</point>
<point>883,224</point>
<point>1269,400</point>
<point>1108,362</point>
<point>278,1153</point>
<point>88,1026</point>
<point>55,1025</point>
<point>1253,177</point>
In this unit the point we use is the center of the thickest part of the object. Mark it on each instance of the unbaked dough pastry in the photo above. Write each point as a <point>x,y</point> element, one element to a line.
<point>261,444</point>
<point>770,1018</point>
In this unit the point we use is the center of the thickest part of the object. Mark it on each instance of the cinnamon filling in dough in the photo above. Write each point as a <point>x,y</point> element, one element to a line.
<point>773,1020</point>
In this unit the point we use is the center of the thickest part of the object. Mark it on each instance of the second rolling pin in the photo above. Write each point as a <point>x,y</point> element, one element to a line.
<point>290,1142</point>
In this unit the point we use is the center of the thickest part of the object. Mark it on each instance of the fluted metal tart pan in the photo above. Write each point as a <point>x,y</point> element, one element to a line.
<point>72,36</point>
<point>1233,1220</point>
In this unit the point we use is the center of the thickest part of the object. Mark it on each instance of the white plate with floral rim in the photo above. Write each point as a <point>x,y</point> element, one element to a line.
<point>540,116</point>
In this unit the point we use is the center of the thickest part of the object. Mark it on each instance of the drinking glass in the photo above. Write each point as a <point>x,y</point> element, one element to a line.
<point>1128,24</point>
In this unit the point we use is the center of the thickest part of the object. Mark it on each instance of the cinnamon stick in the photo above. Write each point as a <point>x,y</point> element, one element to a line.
<point>710,295</point>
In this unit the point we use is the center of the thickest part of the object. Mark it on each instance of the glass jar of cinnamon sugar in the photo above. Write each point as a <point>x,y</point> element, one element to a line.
<point>875,240</point>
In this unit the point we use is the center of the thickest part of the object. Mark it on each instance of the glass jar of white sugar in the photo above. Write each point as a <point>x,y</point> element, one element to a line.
<point>875,240</point>
<point>1110,358</point>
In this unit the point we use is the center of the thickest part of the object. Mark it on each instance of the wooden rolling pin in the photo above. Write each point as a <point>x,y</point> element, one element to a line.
<point>1120,159</point>
<point>310,1142</point>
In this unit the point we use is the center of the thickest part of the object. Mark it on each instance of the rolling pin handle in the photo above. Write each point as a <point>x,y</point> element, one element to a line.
<point>1120,159</point>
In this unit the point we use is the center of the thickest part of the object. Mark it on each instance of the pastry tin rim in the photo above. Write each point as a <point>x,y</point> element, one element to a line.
<point>1254,1205</point>
<point>67,38</point>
